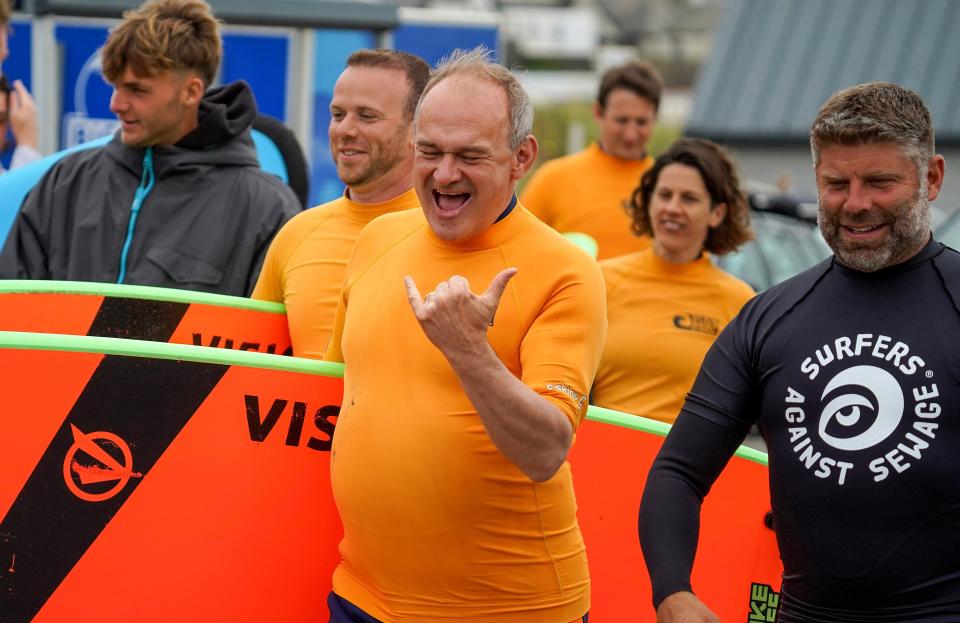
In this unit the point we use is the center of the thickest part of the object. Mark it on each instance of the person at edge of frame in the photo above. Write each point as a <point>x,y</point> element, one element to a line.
<point>851,370</point>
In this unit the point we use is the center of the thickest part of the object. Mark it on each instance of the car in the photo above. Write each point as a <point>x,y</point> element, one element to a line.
<point>783,246</point>
<point>770,198</point>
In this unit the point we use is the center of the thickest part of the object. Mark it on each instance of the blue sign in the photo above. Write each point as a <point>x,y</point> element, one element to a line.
<point>17,66</point>
<point>261,60</point>
<point>86,95</point>
<point>434,41</point>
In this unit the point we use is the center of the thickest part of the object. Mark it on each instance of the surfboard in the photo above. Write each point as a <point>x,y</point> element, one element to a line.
<point>584,241</point>
<point>162,482</point>
<point>144,313</point>
<point>737,571</point>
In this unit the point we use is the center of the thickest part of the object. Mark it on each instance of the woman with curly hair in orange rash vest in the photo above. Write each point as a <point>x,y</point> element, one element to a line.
<point>666,304</point>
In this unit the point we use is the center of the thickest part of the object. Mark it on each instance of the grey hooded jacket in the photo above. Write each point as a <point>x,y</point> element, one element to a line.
<point>196,216</point>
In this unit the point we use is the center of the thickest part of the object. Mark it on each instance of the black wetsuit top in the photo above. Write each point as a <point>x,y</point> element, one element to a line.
<point>854,380</point>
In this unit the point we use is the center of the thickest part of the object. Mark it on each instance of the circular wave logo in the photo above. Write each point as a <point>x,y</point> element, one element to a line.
<point>98,465</point>
<point>870,392</point>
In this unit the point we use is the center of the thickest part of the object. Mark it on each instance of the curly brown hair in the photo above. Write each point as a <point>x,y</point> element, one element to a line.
<point>164,35</point>
<point>722,182</point>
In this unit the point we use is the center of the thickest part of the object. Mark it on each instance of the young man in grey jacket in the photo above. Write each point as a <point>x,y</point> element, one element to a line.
<point>177,198</point>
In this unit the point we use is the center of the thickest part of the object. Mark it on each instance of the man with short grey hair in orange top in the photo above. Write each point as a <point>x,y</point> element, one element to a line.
<point>460,405</point>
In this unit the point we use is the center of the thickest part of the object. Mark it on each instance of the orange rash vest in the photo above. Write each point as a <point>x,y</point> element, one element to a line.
<point>586,192</point>
<point>663,317</point>
<point>438,524</point>
<point>306,261</point>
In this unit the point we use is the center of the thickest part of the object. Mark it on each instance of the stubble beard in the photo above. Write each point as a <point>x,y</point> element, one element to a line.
<point>909,231</point>
<point>358,176</point>
<point>381,161</point>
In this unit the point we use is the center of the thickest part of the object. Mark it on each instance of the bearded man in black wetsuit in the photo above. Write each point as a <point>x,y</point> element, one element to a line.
<point>852,371</point>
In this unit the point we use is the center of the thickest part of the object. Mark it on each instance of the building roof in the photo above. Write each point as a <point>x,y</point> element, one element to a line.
<point>776,61</point>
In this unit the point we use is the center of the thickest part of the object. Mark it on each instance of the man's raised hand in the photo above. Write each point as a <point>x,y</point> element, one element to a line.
<point>453,318</point>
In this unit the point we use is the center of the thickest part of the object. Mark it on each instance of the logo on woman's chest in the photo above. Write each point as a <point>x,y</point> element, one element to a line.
<point>689,321</point>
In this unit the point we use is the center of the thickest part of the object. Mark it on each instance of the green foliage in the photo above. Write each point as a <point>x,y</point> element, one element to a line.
<point>663,136</point>
<point>552,123</point>
<point>551,126</point>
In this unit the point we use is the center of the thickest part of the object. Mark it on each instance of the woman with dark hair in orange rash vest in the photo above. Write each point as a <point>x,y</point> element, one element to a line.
<point>666,304</point>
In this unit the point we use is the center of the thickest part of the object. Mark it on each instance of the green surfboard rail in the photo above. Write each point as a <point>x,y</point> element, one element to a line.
<point>584,241</point>
<point>228,357</point>
<point>17,286</point>
<point>164,350</point>
<point>636,422</point>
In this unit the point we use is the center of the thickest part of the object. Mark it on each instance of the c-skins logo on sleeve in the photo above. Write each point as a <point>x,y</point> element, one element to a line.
<point>98,465</point>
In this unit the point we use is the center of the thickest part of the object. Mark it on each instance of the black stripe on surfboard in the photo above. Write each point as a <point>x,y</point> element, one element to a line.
<point>146,403</point>
<point>137,319</point>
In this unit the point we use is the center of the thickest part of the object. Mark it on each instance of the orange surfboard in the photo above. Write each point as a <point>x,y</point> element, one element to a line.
<point>144,313</point>
<point>159,482</point>
<point>737,571</point>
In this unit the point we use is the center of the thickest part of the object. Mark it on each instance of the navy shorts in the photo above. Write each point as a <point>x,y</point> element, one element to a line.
<point>342,611</point>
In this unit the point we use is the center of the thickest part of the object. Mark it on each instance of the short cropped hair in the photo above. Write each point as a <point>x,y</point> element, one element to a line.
<point>4,13</point>
<point>722,182</point>
<point>414,68</point>
<point>164,35</point>
<point>640,77</point>
<point>875,112</point>
<point>477,63</point>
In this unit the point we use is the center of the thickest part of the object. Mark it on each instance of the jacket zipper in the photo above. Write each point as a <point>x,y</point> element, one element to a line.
<point>146,185</point>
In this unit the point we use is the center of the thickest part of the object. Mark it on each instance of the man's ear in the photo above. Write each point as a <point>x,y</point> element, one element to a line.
<point>193,90</point>
<point>524,157</point>
<point>935,171</point>
<point>597,111</point>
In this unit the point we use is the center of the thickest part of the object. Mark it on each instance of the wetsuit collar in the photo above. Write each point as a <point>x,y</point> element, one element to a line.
<point>510,207</point>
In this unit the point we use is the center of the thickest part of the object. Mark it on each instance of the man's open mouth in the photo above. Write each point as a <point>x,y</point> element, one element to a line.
<point>450,202</point>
